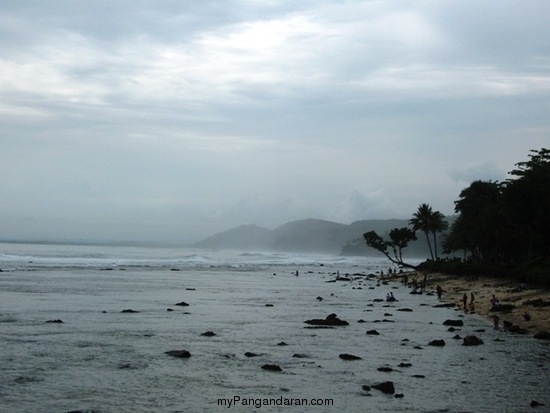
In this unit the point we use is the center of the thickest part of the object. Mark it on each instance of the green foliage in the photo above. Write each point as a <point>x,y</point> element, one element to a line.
<point>429,222</point>
<point>399,239</point>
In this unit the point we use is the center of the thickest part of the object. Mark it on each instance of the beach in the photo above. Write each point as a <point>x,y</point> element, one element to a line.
<point>508,293</point>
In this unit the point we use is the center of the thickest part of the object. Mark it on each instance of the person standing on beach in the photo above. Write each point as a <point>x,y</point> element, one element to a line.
<point>465,302</point>
<point>439,292</point>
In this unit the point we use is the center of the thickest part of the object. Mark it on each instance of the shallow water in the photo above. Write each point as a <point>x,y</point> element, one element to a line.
<point>103,360</point>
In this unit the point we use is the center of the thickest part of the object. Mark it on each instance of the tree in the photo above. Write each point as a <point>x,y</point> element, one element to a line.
<point>429,222</point>
<point>400,238</point>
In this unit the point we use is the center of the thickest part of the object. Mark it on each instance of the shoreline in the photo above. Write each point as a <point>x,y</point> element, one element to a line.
<point>513,300</point>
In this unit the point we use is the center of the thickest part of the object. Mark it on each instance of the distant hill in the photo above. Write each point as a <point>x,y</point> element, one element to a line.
<point>311,235</point>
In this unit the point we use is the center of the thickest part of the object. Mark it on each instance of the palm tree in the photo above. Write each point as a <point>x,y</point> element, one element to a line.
<point>429,221</point>
<point>421,220</point>
<point>437,224</point>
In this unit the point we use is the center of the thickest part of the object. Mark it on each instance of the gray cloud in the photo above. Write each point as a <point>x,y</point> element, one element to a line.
<point>168,120</point>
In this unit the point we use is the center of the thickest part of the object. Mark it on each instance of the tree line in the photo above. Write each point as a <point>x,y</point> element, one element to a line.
<point>500,227</point>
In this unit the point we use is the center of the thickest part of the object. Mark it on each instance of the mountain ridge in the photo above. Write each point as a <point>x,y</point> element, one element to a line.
<point>309,236</point>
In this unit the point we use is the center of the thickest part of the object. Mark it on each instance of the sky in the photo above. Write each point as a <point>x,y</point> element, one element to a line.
<point>170,121</point>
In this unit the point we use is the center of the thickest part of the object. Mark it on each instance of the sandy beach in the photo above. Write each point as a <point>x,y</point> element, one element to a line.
<point>515,301</point>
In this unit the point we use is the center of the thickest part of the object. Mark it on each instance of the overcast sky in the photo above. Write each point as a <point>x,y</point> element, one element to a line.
<point>174,120</point>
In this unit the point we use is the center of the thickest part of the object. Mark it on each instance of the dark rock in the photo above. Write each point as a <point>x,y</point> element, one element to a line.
<point>386,387</point>
<point>454,323</point>
<point>361,321</point>
<point>378,300</point>
<point>542,335</point>
<point>481,330</point>
<point>405,365</point>
<point>373,333</point>
<point>300,356</point>
<point>179,353</point>
<point>451,329</point>
<point>399,395</point>
<point>472,341</point>
<point>319,298</point>
<point>503,308</point>
<point>189,289</point>
<point>169,309</point>
<point>388,315</point>
<point>345,356</point>
<point>365,387</point>
<point>418,376</point>
<point>269,305</point>
<point>445,305</point>
<point>182,304</point>
<point>405,309</point>
<point>437,343</point>
<point>249,354</point>
<point>129,311</point>
<point>385,369</point>
<point>208,334</point>
<point>418,348</point>
<point>56,321</point>
<point>271,367</point>
<point>535,403</point>
<point>457,337</point>
<point>538,302</point>
<point>330,320</point>
<point>282,343</point>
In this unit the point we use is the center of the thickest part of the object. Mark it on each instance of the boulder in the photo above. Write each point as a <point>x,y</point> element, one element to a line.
<point>330,320</point>
<point>472,341</point>
<point>453,323</point>
<point>542,335</point>
<point>182,304</point>
<point>346,356</point>
<point>179,353</point>
<point>271,367</point>
<point>56,321</point>
<point>208,334</point>
<point>129,311</point>
<point>250,354</point>
<point>373,333</point>
<point>385,369</point>
<point>386,387</point>
<point>437,343</point>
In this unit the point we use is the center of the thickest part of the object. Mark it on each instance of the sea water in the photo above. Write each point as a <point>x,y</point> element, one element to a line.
<point>102,359</point>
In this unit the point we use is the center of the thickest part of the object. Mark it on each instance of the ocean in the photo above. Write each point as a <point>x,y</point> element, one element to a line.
<point>87,328</point>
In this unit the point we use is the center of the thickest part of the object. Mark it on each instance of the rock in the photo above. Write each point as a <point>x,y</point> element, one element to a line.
<point>542,335</point>
<point>472,341</point>
<point>405,309</point>
<point>418,376</point>
<point>282,343</point>
<point>169,309</point>
<point>269,305</point>
<point>56,321</point>
<point>179,353</point>
<point>399,395</point>
<point>300,356</point>
<point>365,387</point>
<point>373,333</point>
<point>345,356</point>
<point>129,311</point>
<point>457,337</point>
<point>437,343</point>
<point>330,320</point>
<point>182,304</point>
<point>319,298</point>
<point>271,367</point>
<point>208,334</point>
<point>386,387</point>
<point>454,323</point>
<point>405,365</point>
<point>535,403</point>
<point>385,369</point>
<point>249,354</point>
